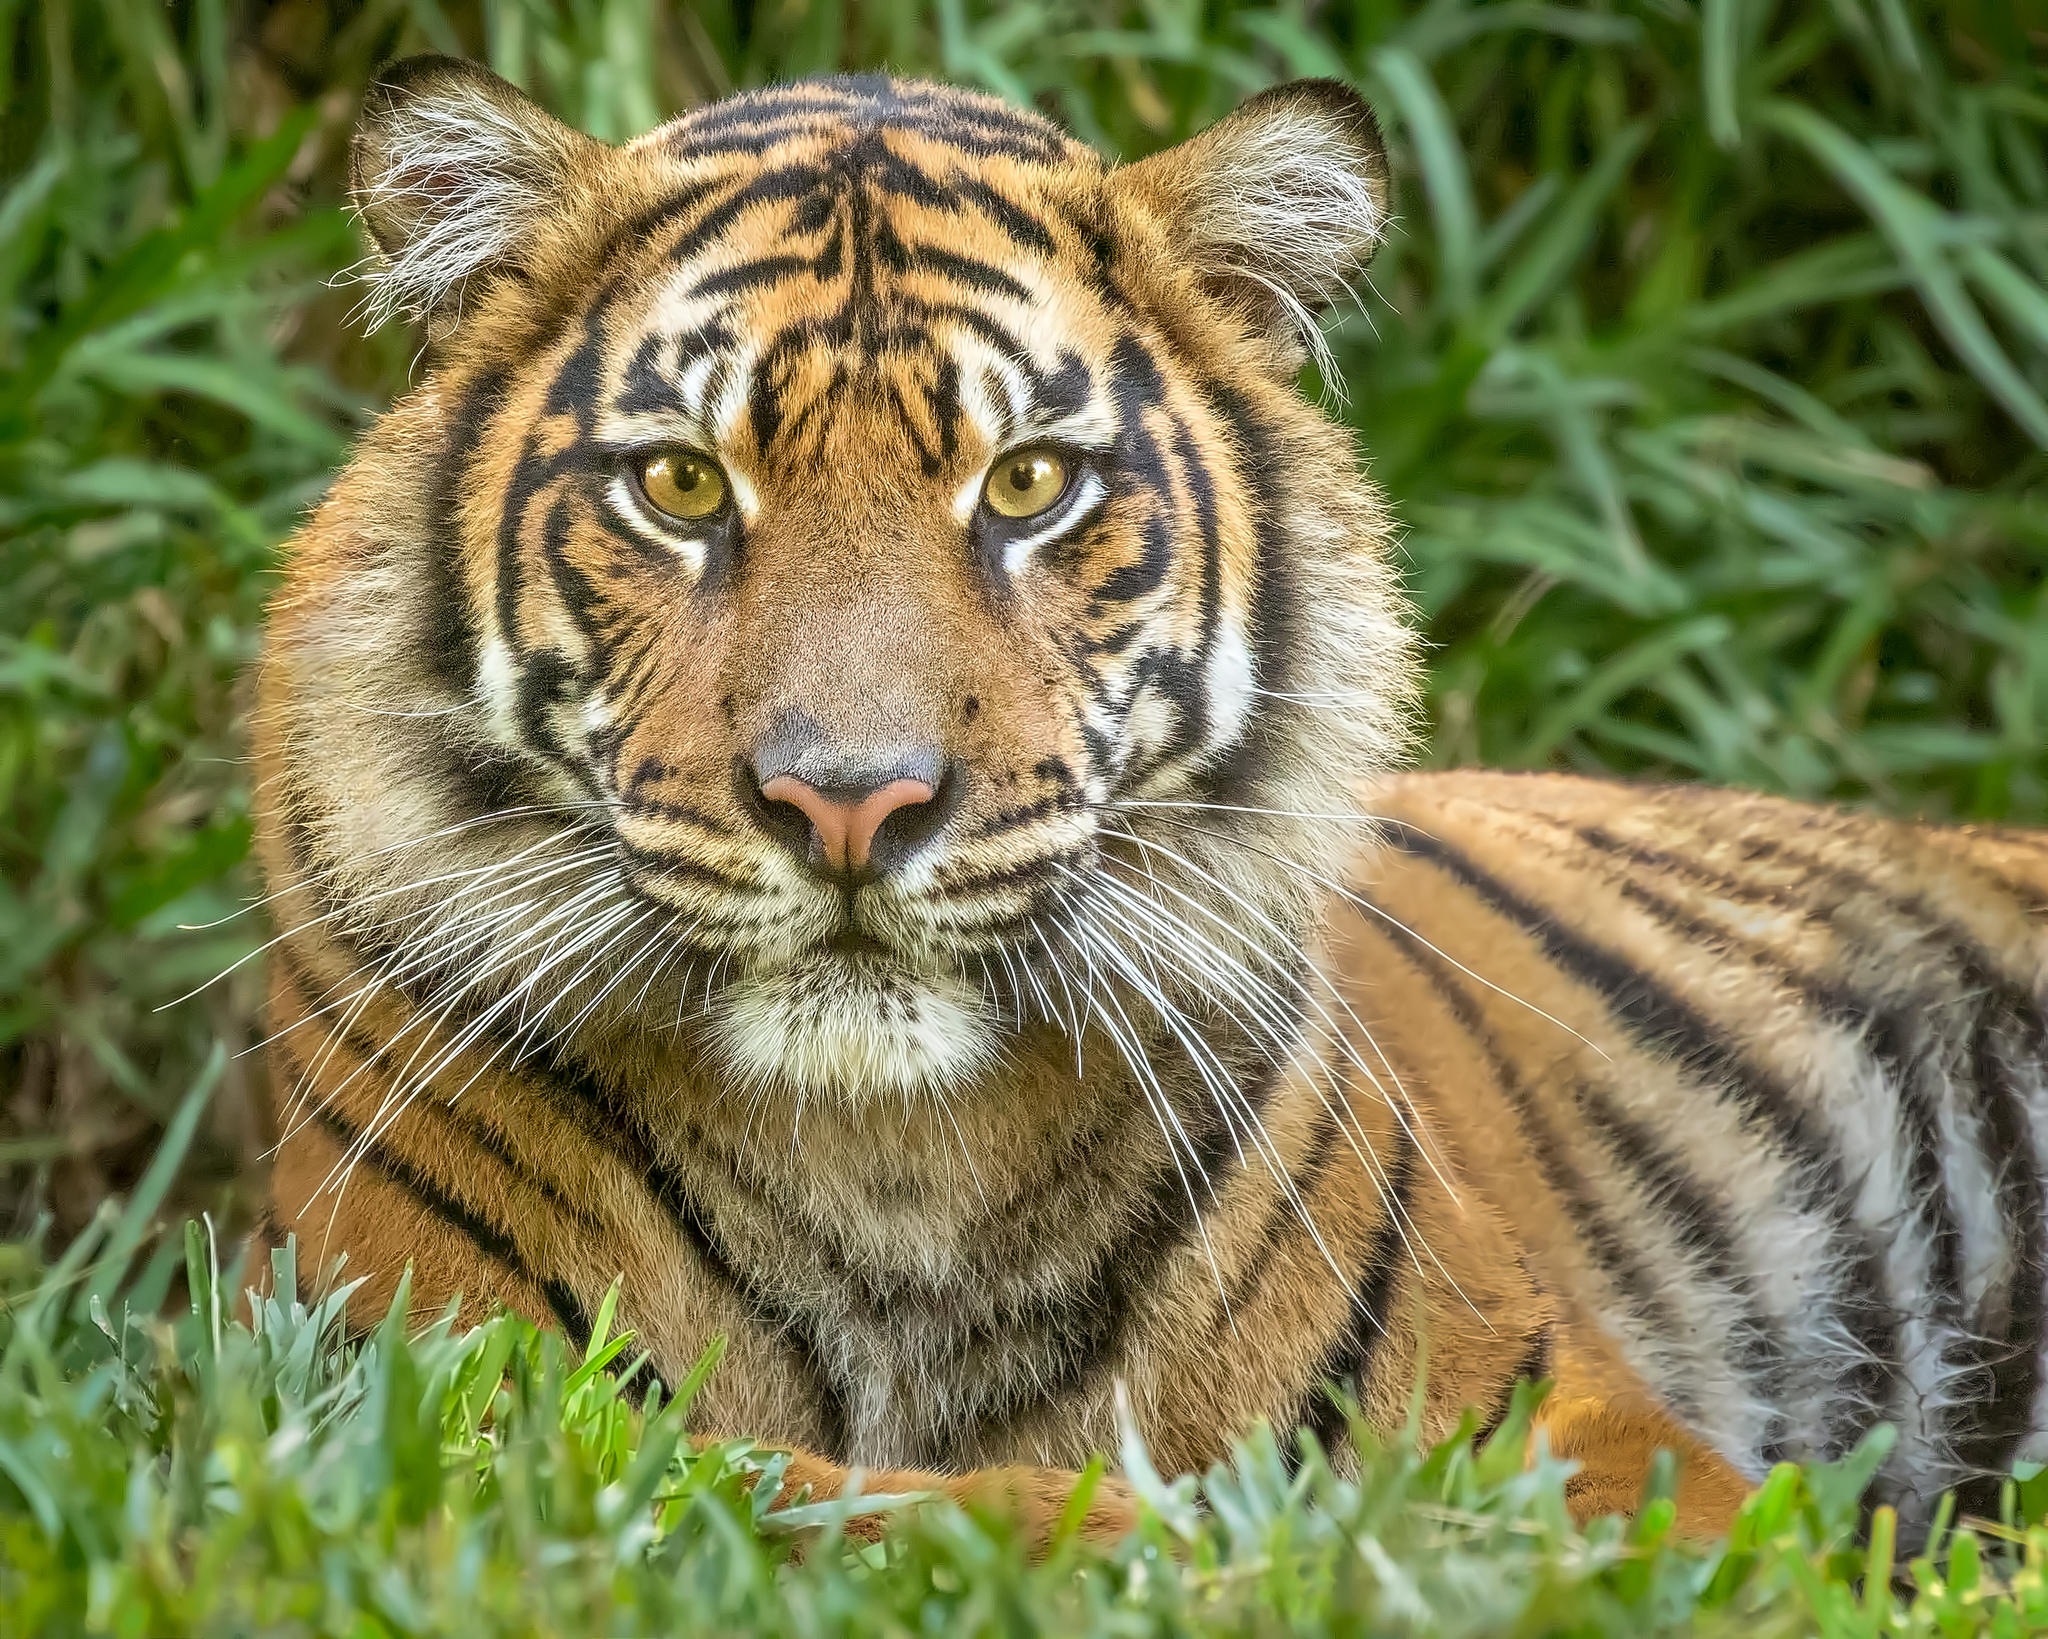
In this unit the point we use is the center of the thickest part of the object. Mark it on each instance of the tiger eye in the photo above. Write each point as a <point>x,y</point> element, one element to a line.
<point>682,485</point>
<point>1026,483</point>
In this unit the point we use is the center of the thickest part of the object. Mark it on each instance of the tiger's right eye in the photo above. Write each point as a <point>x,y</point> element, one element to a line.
<point>682,484</point>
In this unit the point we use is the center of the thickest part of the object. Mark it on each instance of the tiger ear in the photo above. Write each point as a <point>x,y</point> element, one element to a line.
<point>1279,206</point>
<point>452,170</point>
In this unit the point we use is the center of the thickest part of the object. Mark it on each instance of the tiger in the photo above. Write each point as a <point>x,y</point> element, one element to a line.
<point>841,766</point>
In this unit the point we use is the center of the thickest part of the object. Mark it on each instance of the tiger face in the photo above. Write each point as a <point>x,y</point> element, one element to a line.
<point>883,543</point>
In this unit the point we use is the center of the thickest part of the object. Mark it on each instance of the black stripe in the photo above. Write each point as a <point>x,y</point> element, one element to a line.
<point>1994,1419</point>
<point>1895,1033</point>
<point>1533,1367</point>
<point>467,1116</point>
<point>1091,1320</point>
<point>1664,1025</point>
<point>1290,1207</point>
<point>1612,1247</point>
<point>1275,616</point>
<point>450,639</point>
<point>976,275</point>
<point>489,1238</point>
<point>785,183</point>
<point>1350,1358</point>
<point>820,98</point>
<point>621,1130</point>
<point>1202,491</point>
<point>744,277</point>
<point>639,229</point>
<point>1656,1017</point>
<point>569,1310</point>
<point>615,1130</point>
<point>660,862</point>
<point>1023,229</point>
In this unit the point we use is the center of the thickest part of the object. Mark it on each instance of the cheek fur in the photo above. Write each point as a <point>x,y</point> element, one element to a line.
<point>1233,686</point>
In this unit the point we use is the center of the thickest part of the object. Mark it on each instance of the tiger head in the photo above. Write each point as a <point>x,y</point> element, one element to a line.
<point>857,582</point>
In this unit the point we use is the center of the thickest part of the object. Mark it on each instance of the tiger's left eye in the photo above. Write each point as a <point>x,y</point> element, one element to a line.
<point>682,484</point>
<point>1026,483</point>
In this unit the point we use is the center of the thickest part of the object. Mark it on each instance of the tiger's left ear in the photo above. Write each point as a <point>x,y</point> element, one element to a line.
<point>1279,206</point>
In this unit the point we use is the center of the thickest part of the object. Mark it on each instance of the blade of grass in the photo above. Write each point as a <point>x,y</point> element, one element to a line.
<point>1614,677</point>
<point>1720,54</point>
<point>1912,227</point>
<point>111,1267</point>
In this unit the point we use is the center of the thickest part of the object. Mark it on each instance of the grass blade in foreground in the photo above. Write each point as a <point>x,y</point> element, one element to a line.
<point>214,1477</point>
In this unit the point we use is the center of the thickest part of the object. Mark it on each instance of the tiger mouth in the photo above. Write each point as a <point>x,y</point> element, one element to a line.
<point>861,948</point>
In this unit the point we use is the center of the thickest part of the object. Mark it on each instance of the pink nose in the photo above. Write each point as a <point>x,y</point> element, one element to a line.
<point>846,829</point>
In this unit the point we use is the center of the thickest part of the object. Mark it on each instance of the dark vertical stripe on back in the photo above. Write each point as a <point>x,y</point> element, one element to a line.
<point>1662,1024</point>
<point>1994,1422</point>
<point>2007,1027</point>
<point>1612,1247</point>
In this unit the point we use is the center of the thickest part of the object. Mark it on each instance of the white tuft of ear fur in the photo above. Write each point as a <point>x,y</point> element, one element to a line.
<point>1283,202</point>
<point>452,170</point>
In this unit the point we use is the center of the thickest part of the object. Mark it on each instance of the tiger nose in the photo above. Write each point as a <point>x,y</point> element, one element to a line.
<point>844,823</point>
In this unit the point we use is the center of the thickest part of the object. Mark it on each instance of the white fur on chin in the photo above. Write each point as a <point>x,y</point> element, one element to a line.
<point>847,1027</point>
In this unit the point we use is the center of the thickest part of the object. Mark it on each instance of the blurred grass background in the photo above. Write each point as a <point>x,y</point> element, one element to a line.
<point>1707,366</point>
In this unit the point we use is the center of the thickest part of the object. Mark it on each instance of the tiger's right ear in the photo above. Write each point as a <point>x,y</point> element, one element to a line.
<point>452,170</point>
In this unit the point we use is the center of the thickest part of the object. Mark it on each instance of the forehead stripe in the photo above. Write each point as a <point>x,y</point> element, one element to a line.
<point>787,182</point>
<point>1022,227</point>
<point>976,125</point>
<point>874,166</point>
<point>743,277</point>
<point>967,270</point>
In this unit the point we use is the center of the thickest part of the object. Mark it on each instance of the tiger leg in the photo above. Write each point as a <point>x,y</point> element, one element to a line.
<point>1032,1499</point>
<point>1614,1432</point>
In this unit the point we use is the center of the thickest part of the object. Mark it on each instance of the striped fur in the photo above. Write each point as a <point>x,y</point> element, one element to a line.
<point>1180,1045</point>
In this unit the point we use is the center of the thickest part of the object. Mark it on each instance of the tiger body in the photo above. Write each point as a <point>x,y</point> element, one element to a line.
<point>1158,1042</point>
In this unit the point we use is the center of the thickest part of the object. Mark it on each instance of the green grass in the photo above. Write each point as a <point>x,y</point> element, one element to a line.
<point>1707,367</point>
<point>211,1477</point>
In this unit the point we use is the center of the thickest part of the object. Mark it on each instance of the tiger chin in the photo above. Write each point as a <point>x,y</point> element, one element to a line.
<point>835,762</point>
<point>852,1027</point>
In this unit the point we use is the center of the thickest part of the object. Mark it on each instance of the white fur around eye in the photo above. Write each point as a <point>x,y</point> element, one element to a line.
<point>968,498</point>
<point>1082,495</point>
<point>744,495</point>
<point>498,685</point>
<point>629,509</point>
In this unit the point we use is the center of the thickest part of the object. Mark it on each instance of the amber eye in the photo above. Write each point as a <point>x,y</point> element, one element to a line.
<point>1026,483</point>
<point>682,485</point>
